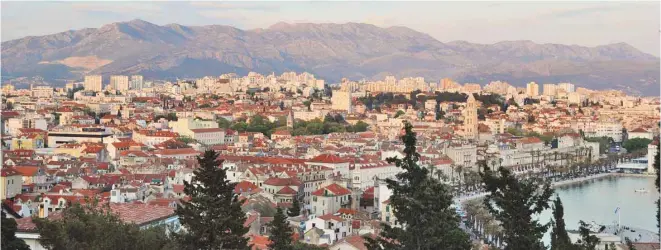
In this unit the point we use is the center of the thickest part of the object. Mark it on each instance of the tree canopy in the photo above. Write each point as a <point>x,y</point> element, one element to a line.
<point>212,218</point>
<point>95,227</point>
<point>9,239</point>
<point>281,233</point>
<point>636,144</point>
<point>421,207</point>
<point>514,202</point>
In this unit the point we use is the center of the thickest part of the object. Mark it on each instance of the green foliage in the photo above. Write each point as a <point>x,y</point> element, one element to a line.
<point>213,218</point>
<point>206,105</point>
<point>295,209</point>
<point>331,124</point>
<point>9,240</point>
<point>96,227</point>
<point>360,126</point>
<point>559,236</point>
<point>587,241</point>
<point>281,233</point>
<point>399,113</point>
<point>223,123</point>
<point>421,204</point>
<point>636,144</point>
<point>186,139</point>
<point>307,104</point>
<point>514,131</point>
<point>514,202</point>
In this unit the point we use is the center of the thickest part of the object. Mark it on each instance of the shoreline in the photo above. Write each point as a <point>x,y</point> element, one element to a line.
<point>563,183</point>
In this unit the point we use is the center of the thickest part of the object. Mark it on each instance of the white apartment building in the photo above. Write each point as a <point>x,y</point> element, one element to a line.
<point>119,83</point>
<point>532,89</point>
<point>464,155</point>
<point>363,175</point>
<point>568,87</point>
<point>185,126</point>
<point>575,98</point>
<point>550,89</point>
<point>333,229</point>
<point>137,82</point>
<point>94,83</point>
<point>329,199</point>
<point>600,129</point>
<point>42,92</point>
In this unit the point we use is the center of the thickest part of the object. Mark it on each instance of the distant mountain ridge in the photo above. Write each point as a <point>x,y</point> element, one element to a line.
<point>330,51</point>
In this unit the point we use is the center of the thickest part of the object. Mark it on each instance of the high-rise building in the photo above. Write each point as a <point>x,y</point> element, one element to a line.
<point>94,83</point>
<point>120,83</point>
<point>550,89</point>
<point>470,118</point>
<point>136,82</point>
<point>532,89</point>
<point>568,87</point>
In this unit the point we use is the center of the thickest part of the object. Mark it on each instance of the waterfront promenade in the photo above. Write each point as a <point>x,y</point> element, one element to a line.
<point>477,195</point>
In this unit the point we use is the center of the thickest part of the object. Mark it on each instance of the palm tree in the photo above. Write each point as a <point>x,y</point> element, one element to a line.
<point>460,170</point>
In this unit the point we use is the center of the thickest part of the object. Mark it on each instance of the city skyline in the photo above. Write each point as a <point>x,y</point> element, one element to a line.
<point>585,24</point>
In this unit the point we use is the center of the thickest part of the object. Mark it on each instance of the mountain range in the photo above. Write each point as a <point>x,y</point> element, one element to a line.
<point>330,51</point>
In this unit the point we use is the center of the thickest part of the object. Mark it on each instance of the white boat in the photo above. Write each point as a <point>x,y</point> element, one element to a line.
<point>642,190</point>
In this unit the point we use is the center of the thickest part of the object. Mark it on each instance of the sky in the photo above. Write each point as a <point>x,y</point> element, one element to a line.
<point>581,23</point>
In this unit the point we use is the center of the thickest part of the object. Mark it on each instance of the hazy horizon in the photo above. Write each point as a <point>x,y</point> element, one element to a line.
<point>583,23</point>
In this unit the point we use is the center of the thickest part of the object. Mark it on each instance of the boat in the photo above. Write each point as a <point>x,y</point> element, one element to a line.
<point>642,190</point>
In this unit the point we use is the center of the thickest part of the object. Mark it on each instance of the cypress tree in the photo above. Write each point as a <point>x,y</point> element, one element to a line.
<point>212,218</point>
<point>513,202</point>
<point>559,237</point>
<point>281,233</point>
<point>295,209</point>
<point>421,205</point>
<point>9,240</point>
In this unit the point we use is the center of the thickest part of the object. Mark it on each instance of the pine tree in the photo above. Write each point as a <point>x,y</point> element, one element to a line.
<point>587,241</point>
<point>295,209</point>
<point>9,240</point>
<point>513,202</point>
<point>281,233</point>
<point>559,237</point>
<point>212,218</point>
<point>421,205</point>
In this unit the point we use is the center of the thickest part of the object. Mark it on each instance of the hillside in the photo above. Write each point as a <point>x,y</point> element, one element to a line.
<point>331,51</point>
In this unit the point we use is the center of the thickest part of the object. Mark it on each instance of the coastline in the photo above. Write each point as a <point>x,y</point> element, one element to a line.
<point>562,183</point>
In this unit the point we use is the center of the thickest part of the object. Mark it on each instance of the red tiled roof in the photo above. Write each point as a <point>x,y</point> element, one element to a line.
<point>259,242</point>
<point>330,217</point>
<point>639,130</point>
<point>245,186</point>
<point>346,211</point>
<point>529,140</point>
<point>357,241</point>
<point>287,190</point>
<point>9,172</point>
<point>333,189</point>
<point>27,170</point>
<point>328,158</point>
<point>178,188</point>
<point>274,181</point>
<point>140,213</point>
